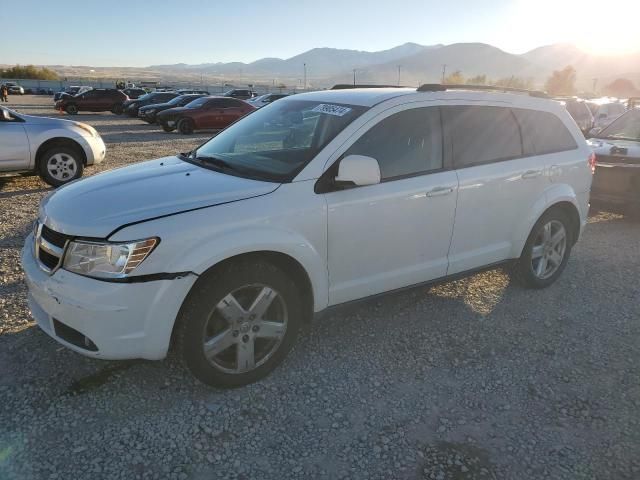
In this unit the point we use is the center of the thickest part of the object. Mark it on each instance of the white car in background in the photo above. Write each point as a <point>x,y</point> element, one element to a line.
<point>607,113</point>
<point>266,99</point>
<point>321,199</point>
<point>57,150</point>
<point>14,88</point>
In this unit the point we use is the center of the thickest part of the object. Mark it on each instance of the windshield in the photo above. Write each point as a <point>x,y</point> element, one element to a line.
<point>179,100</point>
<point>626,127</point>
<point>277,141</point>
<point>197,102</point>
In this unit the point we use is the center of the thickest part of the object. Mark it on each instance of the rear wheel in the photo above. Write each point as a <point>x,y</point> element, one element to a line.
<point>116,109</point>
<point>547,250</point>
<point>185,126</point>
<point>71,109</point>
<point>239,323</point>
<point>60,165</point>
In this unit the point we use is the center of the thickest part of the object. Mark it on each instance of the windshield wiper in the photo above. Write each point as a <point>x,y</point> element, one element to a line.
<point>218,162</point>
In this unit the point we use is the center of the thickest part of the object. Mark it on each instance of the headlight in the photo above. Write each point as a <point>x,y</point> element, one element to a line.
<point>88,128</point>
<point>106,260</point>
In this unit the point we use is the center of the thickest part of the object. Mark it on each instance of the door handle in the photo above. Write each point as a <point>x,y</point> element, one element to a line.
<point>439,191</point>
<point>532,173</point>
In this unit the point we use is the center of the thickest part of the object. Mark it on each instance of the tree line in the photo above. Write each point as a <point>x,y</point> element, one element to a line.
<point>30,72</point>
<point>560,82</point>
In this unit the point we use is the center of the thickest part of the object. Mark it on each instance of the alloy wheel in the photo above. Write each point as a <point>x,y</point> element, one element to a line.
<point>245,328</point>
<point>549,249</point>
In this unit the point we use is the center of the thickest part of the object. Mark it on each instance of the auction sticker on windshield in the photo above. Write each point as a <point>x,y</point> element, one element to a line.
<point>336,110</point>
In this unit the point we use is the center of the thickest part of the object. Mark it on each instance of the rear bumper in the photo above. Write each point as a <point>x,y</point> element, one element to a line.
<point>104,320</point>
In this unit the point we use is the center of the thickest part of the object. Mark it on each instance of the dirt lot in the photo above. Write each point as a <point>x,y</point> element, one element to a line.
<point>473,379</point>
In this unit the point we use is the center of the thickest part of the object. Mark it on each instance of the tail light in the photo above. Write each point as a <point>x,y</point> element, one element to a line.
<point>592,162</point>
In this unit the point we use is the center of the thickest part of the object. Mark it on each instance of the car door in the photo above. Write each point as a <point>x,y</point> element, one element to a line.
<point>14,143</point>
<point>498,182</point>
<point>211,114</point>
<point>396,233</point>
<point>232,110</point>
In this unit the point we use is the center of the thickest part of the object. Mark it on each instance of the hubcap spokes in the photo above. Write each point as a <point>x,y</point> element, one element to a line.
<point>549,249</point>
<point>245,329</point>
<point>61,166</point>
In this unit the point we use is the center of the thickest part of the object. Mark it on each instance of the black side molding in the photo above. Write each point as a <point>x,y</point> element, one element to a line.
<point>152,277</point>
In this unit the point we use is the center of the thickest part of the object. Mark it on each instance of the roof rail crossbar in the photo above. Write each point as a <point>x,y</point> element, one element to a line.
<point>346,86</point>
<point>438,87</point>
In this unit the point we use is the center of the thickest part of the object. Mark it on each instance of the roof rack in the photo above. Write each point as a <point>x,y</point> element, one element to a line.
<point>346,86</point>
<point>438,87</point>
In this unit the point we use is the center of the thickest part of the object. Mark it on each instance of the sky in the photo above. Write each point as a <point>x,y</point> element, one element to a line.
<point>142,33</point>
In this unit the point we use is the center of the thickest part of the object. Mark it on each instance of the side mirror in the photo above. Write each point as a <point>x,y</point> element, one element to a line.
<point>6,116</point>
<point>359,170</point>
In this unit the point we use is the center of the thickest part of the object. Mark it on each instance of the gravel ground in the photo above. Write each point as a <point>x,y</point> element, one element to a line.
<point>473,379</point>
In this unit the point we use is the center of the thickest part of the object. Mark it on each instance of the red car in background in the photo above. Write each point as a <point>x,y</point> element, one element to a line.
<point>204,113</point>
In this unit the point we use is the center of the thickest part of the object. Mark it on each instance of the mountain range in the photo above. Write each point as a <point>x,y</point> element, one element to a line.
<point>419,64</point>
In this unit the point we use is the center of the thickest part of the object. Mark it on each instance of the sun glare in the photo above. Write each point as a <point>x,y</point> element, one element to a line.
<point>597,27</point>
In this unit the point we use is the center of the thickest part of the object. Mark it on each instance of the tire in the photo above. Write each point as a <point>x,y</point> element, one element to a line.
<point>219,307</point>
<point>167,128</point>
<point>185,126</point>
<point>117,109</point>
<point>71,109</point>
<point>60,165</point>
<point>544,259</point>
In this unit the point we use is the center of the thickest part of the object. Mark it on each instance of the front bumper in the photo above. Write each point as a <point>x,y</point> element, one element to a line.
<point>113,321</point>
<point>95,150</point>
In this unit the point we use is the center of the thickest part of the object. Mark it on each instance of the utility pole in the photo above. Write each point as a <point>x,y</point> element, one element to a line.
<point>444,71</point>
<point>305,75</point>
<point>354,77</point>
<point>399,66</point>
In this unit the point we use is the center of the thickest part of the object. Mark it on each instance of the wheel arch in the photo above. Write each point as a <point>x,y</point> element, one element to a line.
<point>59,141</point>
<point>290,265</point>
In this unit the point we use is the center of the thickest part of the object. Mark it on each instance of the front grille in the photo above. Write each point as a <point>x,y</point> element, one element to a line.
<point>51,236</point>
<point>48,260</point>
<point>50,247</point>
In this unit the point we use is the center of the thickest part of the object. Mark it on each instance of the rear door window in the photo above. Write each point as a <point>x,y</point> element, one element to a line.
<point>406,143</point>
<point>481,134</point>
<point>543,132</point>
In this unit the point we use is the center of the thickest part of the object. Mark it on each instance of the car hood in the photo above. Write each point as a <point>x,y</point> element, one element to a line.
<point>607,147</point>
<point>156,105</point>
<point>176,111</point>
<point>98,205</point>
<point>52,122</point>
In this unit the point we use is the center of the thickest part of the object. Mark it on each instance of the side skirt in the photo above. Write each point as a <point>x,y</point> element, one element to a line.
<point>360,302</point>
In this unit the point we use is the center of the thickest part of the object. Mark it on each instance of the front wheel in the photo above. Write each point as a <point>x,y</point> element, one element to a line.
<point>239,323</point>
<point>547,250</point>
<point>117,109</point>
<point>71,109</point>
<point>167,128</point>
<point>60,165</point>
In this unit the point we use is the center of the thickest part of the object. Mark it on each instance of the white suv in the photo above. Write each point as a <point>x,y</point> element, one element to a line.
<point>313,201</point>
<point>57,150</point>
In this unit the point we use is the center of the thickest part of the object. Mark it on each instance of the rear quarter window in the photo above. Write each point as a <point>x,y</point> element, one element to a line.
<point>481,134</point>
<point>543,132</point>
